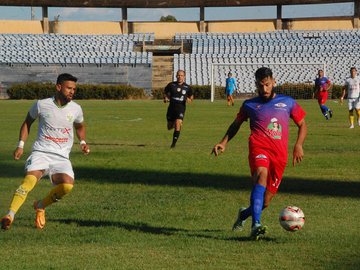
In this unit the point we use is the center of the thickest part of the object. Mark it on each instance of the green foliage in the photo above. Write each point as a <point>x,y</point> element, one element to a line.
<point>92,91</point>
<point>168,18</point>
<point>336,91</point>
<point>200,92</point>
<point>297,91</point>
<point>35,90</point>
<point>157,93</point>
<point>31,90</point>
<point>136,204</point>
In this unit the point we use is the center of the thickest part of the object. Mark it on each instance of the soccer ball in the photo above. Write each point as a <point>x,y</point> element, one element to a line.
<point>292,218</point>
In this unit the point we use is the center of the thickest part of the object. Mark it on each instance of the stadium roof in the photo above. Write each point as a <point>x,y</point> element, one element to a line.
<point>161,3</point>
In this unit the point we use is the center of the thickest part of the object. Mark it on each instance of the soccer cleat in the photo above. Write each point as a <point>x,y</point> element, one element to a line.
<point>40,217</point>
<point>258,231</point>
<point>351,126</point>
<point>330,113</point>
<point>326,116</point>
<point>6,222</point>
<point>359,123</point>
<point>239,223</point>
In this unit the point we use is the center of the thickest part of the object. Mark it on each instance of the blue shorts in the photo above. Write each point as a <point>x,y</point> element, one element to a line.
<point>229,92</point>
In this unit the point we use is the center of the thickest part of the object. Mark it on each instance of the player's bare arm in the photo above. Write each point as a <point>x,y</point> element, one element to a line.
<point>230,133</point>
<point>298,152</point>
<point>81,134</point>
<point>24,133</point>
<point>166,98</point>
<point>190,99</point>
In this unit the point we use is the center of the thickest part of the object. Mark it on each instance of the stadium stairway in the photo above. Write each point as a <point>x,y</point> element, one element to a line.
<point>162,71</point>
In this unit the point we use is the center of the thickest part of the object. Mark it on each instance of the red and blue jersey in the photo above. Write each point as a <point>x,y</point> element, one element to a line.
<point>321,83</point>
<point>269,122</point>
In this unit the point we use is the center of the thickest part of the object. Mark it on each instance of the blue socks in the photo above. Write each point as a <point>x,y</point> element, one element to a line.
<point>257,203</point>
<point>324,109</point>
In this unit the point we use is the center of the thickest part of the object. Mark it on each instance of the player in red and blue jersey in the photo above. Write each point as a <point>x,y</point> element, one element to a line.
<point>322,86</point>
<point>269,115</point>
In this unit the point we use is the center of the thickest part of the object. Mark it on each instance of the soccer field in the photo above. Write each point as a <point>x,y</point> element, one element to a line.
<point>137,204</point>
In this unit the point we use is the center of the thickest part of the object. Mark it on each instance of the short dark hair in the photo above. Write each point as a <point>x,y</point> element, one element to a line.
<point>65,77</point>
<point>263,73</point>
<point>353,68</point>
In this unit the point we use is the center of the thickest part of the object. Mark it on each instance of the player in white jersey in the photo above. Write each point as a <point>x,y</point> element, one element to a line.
<point>58,117</point>
<point>352,87</point>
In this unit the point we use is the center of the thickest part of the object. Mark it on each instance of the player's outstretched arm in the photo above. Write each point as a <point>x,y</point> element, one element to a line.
<point>230,133</point>
<point>24,133</point>
<point>298,152</point>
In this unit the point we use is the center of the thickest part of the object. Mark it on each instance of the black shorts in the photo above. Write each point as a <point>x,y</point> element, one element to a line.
<point>175,112</point>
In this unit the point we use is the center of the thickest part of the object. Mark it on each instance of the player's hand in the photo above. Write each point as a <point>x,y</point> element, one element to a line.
<point>298,154</point>
<point>341,100</point>
<point>218,149</point>
<point>85,148</point>
<point>18,153</point>
<point>166,99</point>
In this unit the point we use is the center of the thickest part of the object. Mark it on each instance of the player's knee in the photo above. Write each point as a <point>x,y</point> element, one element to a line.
<point>66,188</point>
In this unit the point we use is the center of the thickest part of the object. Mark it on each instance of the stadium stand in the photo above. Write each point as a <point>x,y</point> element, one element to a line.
<point>103,59</point>
<point>294,50</point>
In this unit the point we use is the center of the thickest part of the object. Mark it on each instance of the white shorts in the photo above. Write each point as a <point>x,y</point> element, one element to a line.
<point>353,103</point>
<point>50,163</point>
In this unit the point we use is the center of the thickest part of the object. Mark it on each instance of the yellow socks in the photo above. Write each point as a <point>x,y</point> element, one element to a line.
<point>55,195</point>
<point>20,195</point>
<point>351,118</point>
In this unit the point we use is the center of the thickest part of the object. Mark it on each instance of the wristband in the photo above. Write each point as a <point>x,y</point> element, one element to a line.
<point>21,144</point>
<point>82,142</point>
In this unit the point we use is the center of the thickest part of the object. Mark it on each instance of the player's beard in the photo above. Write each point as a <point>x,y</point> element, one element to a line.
<point>65,99</point>
<point>270,97</point>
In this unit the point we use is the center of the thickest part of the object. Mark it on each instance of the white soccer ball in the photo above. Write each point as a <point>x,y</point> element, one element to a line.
<point>292,218</point>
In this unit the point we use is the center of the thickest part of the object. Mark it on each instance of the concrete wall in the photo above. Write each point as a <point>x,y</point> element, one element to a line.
<point>87,28</point>
<point>244,26</point>
<point>138,76</point>
<point>21,27</point>
<point>322,24</point>
<point>168,30</point>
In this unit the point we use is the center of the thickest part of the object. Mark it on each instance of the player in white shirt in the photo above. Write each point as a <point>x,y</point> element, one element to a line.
<point>352,87</point>
<point>58,117</point>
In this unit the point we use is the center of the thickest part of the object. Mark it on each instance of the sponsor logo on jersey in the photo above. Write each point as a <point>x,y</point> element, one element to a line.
<point>70,117</point>
<point>183,92</point>
<point>274,129</point>
<point>261,156</point>
<point>178,89</point>
<point>280,105</point>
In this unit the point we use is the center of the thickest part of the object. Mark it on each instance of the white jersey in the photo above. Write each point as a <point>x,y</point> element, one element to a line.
<point>353,87</point>
<point>56,126</point>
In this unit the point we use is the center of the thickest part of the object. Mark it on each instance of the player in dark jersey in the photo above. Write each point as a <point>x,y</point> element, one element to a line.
<point>269,115</point>
<point>178,93</point>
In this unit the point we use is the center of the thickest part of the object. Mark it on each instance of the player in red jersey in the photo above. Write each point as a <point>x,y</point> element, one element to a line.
<point>322,86</point>
<point>269,115</point>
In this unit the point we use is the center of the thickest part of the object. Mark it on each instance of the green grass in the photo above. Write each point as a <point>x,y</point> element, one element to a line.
<point>139,205</point>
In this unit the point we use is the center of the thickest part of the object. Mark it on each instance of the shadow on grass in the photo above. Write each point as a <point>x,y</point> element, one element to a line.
<point>310,186</point>
<point>145,228</point>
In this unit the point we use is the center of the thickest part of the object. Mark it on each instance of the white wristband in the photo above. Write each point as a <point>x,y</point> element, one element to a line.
<point>21,144</point>
<point>82,142</point>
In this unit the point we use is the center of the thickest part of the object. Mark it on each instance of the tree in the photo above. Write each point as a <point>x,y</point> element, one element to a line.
<point>168,18</point>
